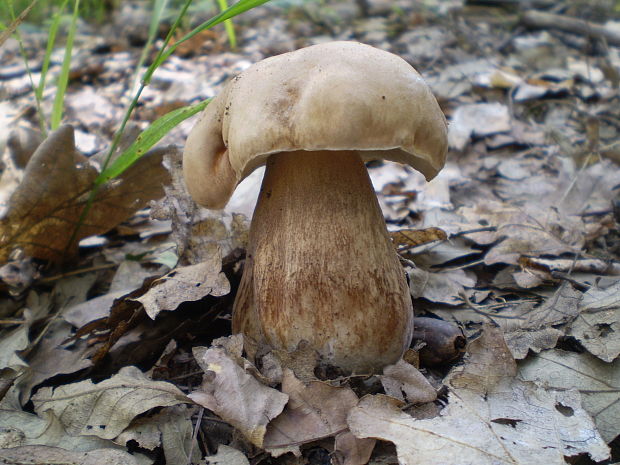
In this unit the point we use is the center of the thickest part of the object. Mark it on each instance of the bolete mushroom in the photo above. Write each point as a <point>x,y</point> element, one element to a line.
<point>320,265</point>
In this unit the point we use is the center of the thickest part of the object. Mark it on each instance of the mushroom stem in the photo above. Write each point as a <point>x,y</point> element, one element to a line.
<point>321,266</point>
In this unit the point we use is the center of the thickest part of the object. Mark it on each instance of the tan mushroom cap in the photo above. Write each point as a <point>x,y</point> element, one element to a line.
<point>332,96</point>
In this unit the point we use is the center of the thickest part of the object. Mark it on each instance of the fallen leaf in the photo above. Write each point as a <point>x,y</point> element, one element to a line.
<point>491,418</point>
<point>236,396</point>
<point>50,358</point>
<point>54,455</point>
<point>185,284</point>
<point>415,237</point>
<point>19,428</point>
<point>598,382</point>
<point>530,230</point>
<point>314,411</point>
<point>107,408</point>
<point>404,382</point>
<point>522,341</point>
<point>354,451</point>
<point>598,325</point>
<point>477,119</point>
<point>47,204</point>
<point>441,286</point>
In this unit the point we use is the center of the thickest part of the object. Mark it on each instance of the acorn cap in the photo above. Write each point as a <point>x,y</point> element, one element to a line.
<point>333,96</point>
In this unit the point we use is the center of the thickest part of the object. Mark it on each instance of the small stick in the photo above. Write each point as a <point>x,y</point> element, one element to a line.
<point>543,20</point>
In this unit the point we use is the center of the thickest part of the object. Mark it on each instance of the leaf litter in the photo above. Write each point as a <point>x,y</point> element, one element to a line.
<point>515,243</point>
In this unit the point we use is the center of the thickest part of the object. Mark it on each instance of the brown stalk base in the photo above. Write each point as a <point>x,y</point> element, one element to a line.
<point>321,266</point>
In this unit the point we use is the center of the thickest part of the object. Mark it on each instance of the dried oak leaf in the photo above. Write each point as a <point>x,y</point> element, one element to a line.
<point>523,231</point>
<point>597,381</point>
<point>404,382</point>
<point>598,325</point>
<point>56,455</point>
<point>236,396</point>
<point>19,428</point>
<point>46,206</point>
<point>107,408</point>
<point>185,284</point>
<point>534,330</point>
<point>314,411</point>
<point>491,418</point>
<point>409,238</point>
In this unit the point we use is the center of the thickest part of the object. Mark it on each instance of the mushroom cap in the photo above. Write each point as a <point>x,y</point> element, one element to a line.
<point>333,96</point>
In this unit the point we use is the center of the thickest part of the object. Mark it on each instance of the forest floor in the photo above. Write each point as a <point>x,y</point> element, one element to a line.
<point>513,246</point>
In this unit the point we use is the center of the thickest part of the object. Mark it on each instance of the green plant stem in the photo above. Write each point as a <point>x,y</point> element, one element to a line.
<point>228,24</point>
<point>51,40</point>
<point>63,78</point>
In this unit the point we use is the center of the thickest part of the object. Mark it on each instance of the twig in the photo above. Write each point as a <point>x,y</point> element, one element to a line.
<point>543,20</point>
<point>195,435</point>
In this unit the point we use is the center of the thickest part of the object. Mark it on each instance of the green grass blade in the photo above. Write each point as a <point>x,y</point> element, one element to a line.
<point>51,40</point>
<point>148,138</point>
<point>228,25</point>
<point>63,79</point>
<point>232,11</point>
<point>22,51</point>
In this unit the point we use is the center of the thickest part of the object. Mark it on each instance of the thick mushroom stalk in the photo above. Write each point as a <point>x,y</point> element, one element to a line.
<point>321,266</point>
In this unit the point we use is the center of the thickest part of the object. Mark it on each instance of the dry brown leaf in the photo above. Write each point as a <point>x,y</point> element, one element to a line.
<point>404,382</point>
<point>597,381</point>
<point>185,284</point>
<point>39,455</point>
<point>19,428</point>
<point>531,230</point>
<point>441,286</point>
<point>314,411</point>
<point>236,396</point>
<point>522,341</point>
<point>489,363</point>
<point>491,418</point>
<point>107,408</point>
<point>50,358</point>
<point>416,237</point>
<point>561,307</point>
<point>478,119</point>
<point>598,325</point>
<point>226,456</point>
<point>351,450</point>
<point>46,206</point>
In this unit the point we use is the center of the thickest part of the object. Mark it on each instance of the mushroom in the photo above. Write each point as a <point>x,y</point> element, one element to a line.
<point>320,265</point>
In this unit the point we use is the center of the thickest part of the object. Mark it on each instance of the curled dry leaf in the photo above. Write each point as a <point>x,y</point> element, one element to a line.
<point>314,411</point>
<point>404,382</point>
<point>236,396</point>
<point>107,408</point>
<point>185,284</point>
<point>46,206</point>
